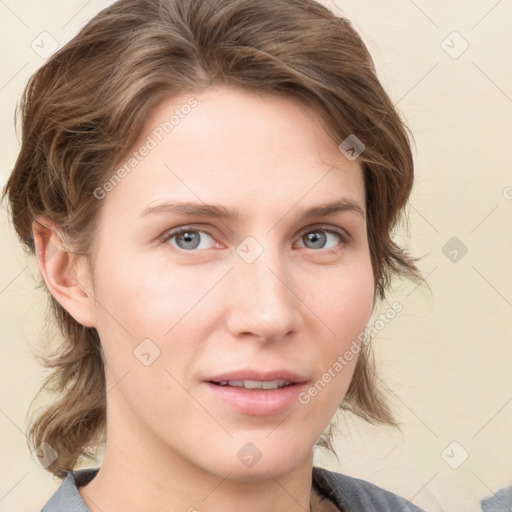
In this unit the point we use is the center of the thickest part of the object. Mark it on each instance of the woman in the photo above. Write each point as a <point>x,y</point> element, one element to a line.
<point>210,189</point>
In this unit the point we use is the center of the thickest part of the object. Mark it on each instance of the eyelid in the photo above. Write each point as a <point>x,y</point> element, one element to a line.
<point>171,233</point>
<point>342,233</point>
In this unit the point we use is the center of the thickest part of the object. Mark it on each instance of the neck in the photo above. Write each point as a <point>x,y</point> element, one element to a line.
<point>142,476</point>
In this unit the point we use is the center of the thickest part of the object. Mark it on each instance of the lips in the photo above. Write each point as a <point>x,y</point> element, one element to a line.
<point>253,378</point>
<point>256,384</point>
<point>255,392</point>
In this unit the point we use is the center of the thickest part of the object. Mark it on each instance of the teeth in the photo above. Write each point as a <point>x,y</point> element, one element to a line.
<point>255,384</point>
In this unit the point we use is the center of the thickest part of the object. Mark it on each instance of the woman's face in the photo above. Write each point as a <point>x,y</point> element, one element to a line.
<point>255,292</point>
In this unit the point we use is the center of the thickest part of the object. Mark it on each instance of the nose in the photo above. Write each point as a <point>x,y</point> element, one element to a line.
<point>262,302</point>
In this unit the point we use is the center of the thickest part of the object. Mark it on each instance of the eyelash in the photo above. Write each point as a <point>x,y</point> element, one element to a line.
<point>342,235</point>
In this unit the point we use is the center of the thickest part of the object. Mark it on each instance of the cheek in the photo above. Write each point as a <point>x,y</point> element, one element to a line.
<point>347,305</point>
<point>137,303</point>
<point>133,295</point>
<point>347,308</point>
<point>346,302</point>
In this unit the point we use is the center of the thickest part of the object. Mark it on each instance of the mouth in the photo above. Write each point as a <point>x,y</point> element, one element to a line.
<point>256,393</point>
<point>255,384</point>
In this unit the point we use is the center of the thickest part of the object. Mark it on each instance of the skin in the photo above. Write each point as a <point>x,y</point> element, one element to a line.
<point>170,444</point>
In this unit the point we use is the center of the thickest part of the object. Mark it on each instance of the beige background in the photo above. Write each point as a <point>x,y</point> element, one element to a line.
<point>445,359</point>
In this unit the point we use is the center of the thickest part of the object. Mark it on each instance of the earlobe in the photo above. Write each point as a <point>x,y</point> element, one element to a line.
<point>66,275</point>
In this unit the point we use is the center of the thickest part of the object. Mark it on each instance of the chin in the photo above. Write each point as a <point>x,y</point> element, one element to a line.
<point>262,471</point>
<point>261,459</point>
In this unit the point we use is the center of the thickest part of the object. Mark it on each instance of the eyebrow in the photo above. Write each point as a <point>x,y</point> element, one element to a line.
<point>223,213</point>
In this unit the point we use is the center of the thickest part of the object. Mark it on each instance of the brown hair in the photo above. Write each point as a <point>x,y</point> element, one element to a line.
<point>82,111</point>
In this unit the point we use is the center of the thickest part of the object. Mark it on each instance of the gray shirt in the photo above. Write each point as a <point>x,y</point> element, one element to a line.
<point>347,493</point>
<point>499,502</point>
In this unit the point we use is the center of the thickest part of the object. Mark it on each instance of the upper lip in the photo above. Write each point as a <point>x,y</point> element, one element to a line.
<point>259,375</point>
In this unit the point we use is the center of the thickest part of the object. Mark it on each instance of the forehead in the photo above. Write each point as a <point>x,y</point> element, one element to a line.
<point>235,147</point>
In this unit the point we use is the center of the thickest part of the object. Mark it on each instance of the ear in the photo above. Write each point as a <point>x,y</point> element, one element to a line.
<point>66,275</point>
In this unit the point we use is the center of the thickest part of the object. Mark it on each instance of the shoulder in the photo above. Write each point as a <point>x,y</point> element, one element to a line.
<point>67,498</point>
<point>499,502</point>
<point>353,494</point>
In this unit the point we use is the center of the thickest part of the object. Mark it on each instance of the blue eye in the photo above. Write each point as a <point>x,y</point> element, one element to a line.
<point>319,237</point>
<point>188,239</point>
<point>191,239</point>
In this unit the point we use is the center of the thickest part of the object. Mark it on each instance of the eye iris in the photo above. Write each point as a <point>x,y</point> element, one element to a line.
<point>190,239</point>
<point>315,237</point>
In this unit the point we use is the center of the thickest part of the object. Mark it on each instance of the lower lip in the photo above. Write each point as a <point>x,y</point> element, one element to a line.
<point>259,402</point>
